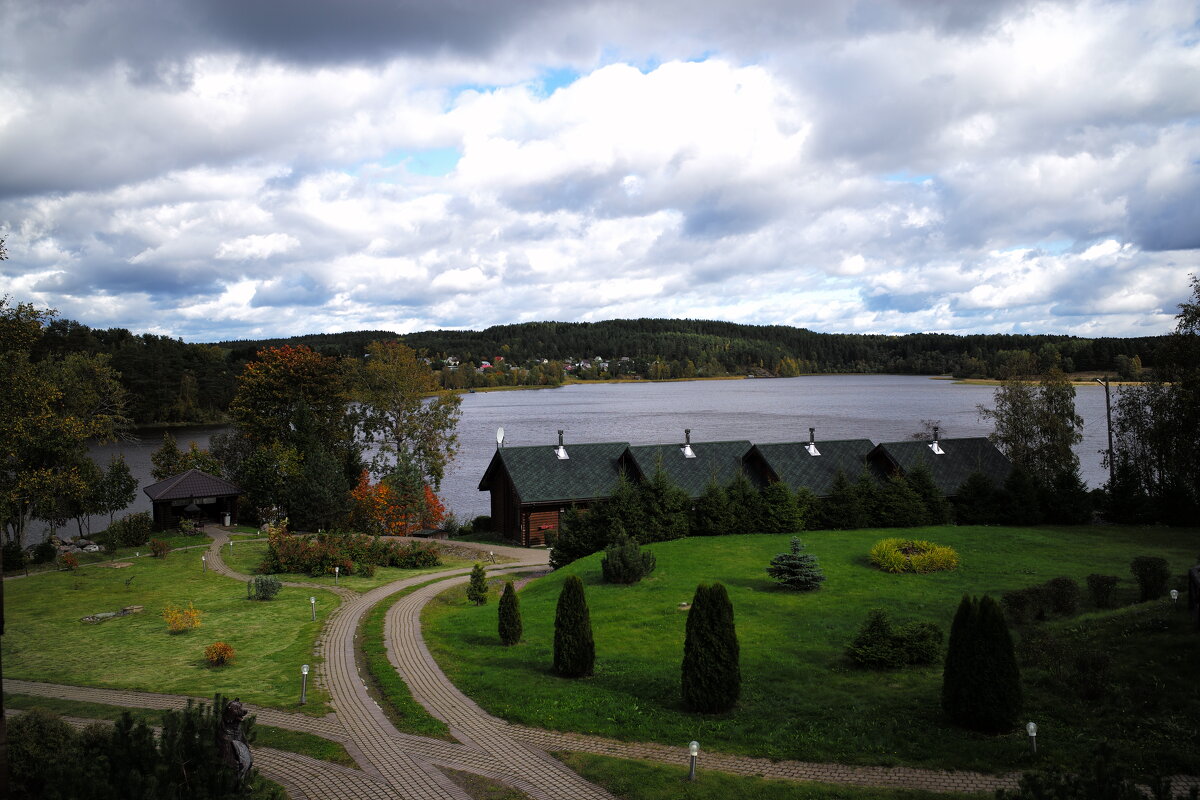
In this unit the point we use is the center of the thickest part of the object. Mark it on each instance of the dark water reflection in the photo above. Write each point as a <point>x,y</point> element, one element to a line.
<point>877,407</point>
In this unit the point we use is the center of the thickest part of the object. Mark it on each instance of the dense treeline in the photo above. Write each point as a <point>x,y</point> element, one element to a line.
<point>168,380</point>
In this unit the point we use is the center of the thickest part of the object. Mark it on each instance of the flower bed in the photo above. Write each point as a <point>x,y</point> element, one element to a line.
<point>912,555</point>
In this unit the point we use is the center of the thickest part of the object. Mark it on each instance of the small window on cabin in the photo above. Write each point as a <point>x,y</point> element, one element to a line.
<point>687,451</point>
<point>937,448</point>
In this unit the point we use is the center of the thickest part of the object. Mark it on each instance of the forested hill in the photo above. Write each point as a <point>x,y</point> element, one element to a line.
<point>724,347</point>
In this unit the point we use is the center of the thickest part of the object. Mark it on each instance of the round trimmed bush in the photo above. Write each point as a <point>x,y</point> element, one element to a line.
<point>912,555</point>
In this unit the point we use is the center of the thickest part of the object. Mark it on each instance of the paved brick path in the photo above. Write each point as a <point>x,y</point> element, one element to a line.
<point>399,765</point>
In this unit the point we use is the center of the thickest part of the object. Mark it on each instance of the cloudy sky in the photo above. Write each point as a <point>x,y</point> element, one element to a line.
<point>217,169</point>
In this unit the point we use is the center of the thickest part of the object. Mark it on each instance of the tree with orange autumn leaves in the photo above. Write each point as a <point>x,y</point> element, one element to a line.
<point>382,508</point>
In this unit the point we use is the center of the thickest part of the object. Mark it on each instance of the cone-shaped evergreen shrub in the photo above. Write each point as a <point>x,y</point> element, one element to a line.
<point>796,570</point>
<point>510,615</point>
<point>625,562</point>
<point>477,590</point>
<point>981,683</point>
<point>574,650</point>
<point>712,677</point>
<point>781,512</point>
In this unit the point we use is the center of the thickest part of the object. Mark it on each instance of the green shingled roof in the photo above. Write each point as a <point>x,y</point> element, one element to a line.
<point>721,461</point>
<point>539,476</point>
<point>791,463</point>
<point>960,458</point>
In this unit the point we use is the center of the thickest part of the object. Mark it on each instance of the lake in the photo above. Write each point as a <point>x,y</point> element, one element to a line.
<point>881,408</point>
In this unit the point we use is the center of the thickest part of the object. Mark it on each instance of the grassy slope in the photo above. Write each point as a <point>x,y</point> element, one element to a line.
<point>799,699</point>
<point>45,641</point>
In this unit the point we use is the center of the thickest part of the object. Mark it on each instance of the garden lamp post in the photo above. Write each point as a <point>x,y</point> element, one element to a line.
<point>492,556</point>
<point>336,571</point>
<point>304,684</point>
<point>312,601</point>
<point>693,751</point>
<point>1031,729</point>
<point>1175,596</point>
<point>204,563</point>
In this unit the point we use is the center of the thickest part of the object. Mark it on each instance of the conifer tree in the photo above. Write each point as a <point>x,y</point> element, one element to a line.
<point>711,515</point>
<point>745,505</point>
<point>842,508</point>
<point>664,509</point>
<point>937,508</point>
<point>780,509</point>
<point>625,562</point>
<point>900,506</point>
<point>981,683</point>
<point>1021,505</point>
<point>510,615</point>
<point>574,650</point>
<point>796,570</point>
<point>477,590</point>
<point>711,673</point>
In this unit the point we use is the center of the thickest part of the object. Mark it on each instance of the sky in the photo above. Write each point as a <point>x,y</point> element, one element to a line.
<point>224,169</point>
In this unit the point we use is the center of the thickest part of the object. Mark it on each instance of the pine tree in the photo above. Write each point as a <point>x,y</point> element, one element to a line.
<point>510,615</point>
<point>842,508</point>
<point>796,570</point>
<point>711,675</point>
<point>665,509</point>
<point>711,515</point>
<point>625,562</point>
<point>1020,504</point>
<point>937,508</point>
<point>900,506</point>
<point>745,505</point>
<point>981,683</point>
<point>477,590</point>
<point>780,509</point>
<point>574,650</point>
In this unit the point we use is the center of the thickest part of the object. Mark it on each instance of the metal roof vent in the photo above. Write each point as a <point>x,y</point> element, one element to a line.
<point>811,447</point>
<point>686,447</point>
<point>561,451</point>
<point>936,446</point>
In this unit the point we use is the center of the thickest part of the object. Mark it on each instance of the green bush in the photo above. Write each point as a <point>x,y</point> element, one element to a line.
<point>1101,588</point>
<point>13,555</point>
<point>981,682</point>
<point>481,523</point>
<point>1152,574</point>
<point>796,570</point>
<point>1063,594</point>
<point>159,548</point>
<point>574,649</point>
<point>711,673</point>
<point>131,530</point>
<point>44,552</point>
<point>510,615</point>
<point>477,590</point>
<point>263,587</point>
<point>364,568</point>
<point>912,555</point>
<point>624,561</point>
<point>880,645</point>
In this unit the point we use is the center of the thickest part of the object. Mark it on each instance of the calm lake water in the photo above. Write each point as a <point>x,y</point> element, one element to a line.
<point>881,408</point>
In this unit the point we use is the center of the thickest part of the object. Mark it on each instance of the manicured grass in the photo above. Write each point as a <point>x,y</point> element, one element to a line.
<point>478,787</point>
<point>45,641</point>
<point>385,684</point>
<point>800,699</point>
<point>245,558</point>
<point>265,735</point>
<point>647,780</point>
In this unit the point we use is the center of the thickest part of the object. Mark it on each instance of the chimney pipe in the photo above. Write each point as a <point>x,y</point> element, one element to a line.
<point>560,438</point>
<point>812,435</point>
<point>935,433</point>
<point>687,435</point>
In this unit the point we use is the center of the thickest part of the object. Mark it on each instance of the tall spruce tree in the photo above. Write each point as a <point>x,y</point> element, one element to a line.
<point>510,615</point>
<point>711,515</point>
<point>920,478</point>
<point>665,509</point>
<point>981,682</point>
<point>745,505</point>
<point>780,509</point>
<point>711,672</point>
<point>842,508</point>
<point>574,649</point>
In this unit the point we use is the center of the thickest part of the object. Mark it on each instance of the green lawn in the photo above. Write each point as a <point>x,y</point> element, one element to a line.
<point>245,558</point>
<point>45,641</point>
<point>800,699</point>
<point>646,780</point>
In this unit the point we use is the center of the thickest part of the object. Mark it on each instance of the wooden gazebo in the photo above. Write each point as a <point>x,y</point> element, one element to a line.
<point>192,495</point>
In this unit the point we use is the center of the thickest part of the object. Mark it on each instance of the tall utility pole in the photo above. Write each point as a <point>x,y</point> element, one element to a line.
<point>1108,413</point>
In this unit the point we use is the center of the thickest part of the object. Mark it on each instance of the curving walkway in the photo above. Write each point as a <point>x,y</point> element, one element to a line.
<point>399,765</point>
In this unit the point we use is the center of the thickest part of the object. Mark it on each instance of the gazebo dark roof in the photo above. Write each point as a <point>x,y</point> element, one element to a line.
<point>959,458</point>
<point>791,463</point>
<point>719,461</point>
<point>538,475</point>
<point>190,484</point>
